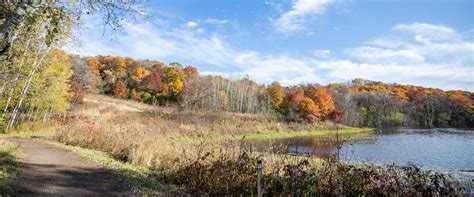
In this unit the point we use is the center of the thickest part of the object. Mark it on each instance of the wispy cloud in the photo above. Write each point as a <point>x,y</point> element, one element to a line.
<point>397,57</point>
<point>216,21</point>
<point>300,13</point>
<point>417,53</point>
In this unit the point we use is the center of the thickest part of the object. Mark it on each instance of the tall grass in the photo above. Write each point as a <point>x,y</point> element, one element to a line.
<point>8,166</point>
<point>179,147</point>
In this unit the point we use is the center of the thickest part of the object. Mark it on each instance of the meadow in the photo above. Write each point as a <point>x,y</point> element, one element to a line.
<point>191,150</point>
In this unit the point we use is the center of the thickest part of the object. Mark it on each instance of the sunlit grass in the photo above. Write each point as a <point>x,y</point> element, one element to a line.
<point>28,129</point>
<point>344,134</point>
<point>9,153</point>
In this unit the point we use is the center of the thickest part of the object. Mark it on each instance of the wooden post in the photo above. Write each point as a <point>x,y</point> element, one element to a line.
<point>259,178</point>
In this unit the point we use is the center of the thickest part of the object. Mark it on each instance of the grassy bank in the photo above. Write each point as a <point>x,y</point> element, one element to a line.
<point>344,134</point>
<point>9,153</point>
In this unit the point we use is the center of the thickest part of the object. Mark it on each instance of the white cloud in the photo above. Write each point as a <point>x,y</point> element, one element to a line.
<point>397,57</point>
<point>416,53</point>
<point>216,21</point>
<point>428,32</point>
<point>436,43</point>
<point>146,41</point>
<point>387,56</point>
<point>429,75</point>
<point>299,14</point>
<point>191,24</point>
<point>320,53</point>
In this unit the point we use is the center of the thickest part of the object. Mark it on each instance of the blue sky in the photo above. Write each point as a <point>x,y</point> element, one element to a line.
<point>428,43</point>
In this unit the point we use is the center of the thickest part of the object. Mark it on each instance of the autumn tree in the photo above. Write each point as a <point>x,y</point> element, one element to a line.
<point>94,65</point>
<point>293,97</point>
<point>139,73</point>
<point>173,77</point>
<point>190,71</point>
<point>308,110</point>
<point>135,95</point>
<point>321,98</point>
<point>277,95</point>
<point>120,90</point>
<point>152,83</point>
<point>120,67</point>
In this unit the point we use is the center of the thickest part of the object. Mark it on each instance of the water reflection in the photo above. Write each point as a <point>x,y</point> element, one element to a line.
<point>441,149</point>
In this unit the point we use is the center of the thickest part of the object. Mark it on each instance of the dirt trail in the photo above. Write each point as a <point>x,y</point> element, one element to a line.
<point>50,170</point>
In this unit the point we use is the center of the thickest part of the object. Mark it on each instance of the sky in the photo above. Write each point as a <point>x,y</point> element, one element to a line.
<point>419,42</point>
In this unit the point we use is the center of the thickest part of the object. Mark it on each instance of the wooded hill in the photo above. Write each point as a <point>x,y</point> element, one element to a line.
<point>359,102</point>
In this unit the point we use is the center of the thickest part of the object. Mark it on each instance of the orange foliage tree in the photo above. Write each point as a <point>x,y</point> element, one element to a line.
<point>120,90</point>
<point>322,99</point>
<point>190,71</point>
<point>308,110</point>
<point>94,65</point>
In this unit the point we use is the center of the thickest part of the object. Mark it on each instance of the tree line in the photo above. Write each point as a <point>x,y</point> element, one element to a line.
<point>359,102</point>
<point>37,80</point>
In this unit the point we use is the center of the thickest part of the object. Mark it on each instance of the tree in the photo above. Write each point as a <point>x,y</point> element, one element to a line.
<point>152,83</point>
<point>29,32</point>
<point>120,67</point>
<point>173,76</point>
<point>293,97</point>
<point>139,73</point>
<point>94,65</point>
<point>336,115</point>
<point>176,86</point>
<point>135,95</point>
<point>322,99</point>
<point>50,88</point>
<point>120,90</point>
<point>308,110</point>
<point>277,95</point>
<point>190,71</point>
<point>84,75</point>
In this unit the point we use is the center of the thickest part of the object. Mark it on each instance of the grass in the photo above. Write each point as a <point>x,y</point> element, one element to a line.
<point>345,134</point>
<point>167,150</point>
<point>8,166</point>
<point>28,129</point>
<point>150,137</point>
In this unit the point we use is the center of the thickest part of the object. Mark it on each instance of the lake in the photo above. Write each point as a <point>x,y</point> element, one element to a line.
<point>438,149</point>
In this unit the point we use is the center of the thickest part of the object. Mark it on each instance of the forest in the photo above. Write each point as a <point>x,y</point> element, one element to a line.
<point>359,102</point>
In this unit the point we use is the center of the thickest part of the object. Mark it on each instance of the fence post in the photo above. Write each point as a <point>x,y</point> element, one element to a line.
<point>259,178</point>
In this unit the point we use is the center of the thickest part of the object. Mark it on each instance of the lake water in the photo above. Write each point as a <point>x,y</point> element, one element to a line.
<point>437,149</point>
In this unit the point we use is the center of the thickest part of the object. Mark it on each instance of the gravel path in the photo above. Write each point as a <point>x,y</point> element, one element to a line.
<point>49,170</point>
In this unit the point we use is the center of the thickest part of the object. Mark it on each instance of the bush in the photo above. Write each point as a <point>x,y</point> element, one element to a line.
<point>223,174</point>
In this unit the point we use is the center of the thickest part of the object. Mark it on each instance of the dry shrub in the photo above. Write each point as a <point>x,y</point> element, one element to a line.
<point>224,174</point>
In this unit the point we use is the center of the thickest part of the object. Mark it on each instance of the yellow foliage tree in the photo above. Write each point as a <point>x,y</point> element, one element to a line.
<point>139,73</point>
<point>277,95</point>
<point>120,66</point>
<point>176,86</point>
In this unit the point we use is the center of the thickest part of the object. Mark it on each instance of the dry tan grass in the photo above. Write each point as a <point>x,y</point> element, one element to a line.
<point>144,134</point>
